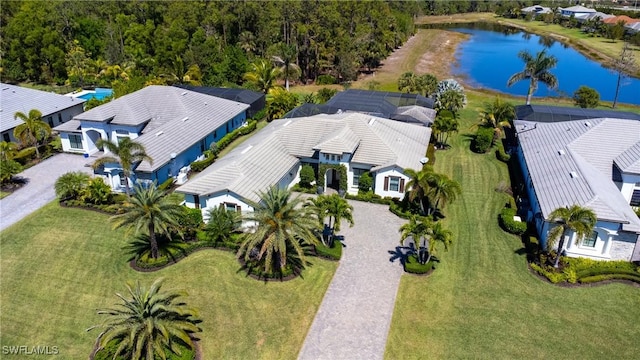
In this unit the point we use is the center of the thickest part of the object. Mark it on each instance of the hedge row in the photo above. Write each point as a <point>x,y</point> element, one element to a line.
<point>600,271</point>
<point>598,278</point>
<point>370,197</point>
<point>509,224</point>
<point>221,144</point>
<point>413,266</point>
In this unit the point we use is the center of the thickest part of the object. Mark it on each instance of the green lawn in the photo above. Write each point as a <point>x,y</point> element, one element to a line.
<point>4,194</point>
<point>60,264</point>
<point>482,302</point>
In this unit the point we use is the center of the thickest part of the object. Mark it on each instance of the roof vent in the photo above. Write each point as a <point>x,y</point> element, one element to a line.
<point>561,152</point>
<point>573,174</point>
<point>185,119</point>
<point>159,133</point>
<point>372,121</point>
<point>287,123</point>
<point>184,93</point>
<point>587,124</point>
<point>247,149</point>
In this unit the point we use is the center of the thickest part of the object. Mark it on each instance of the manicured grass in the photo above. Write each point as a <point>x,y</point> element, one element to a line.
<point>4,194</point>
<point>61,264</point>
<point>482,302</point>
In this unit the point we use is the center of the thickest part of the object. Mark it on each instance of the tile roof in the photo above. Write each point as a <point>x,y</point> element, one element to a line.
<point>547,113</point>
<point>15,99</point>
<point>266,157</point>
<point>629,161</point>
<point>70,126</point>
<point>579,8</point>
<point>572,163</point>
<point>175,118</point>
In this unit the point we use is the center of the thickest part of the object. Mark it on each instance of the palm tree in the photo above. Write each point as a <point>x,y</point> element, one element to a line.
<point>150,210</point>
<point>418,184</point>
<point>280,102</point>
<point>263,75</point>
<point>338,209</point>
<point>576,218</point>
<point>442,190</point>
<point>32,130</point>
<point>439,235</point>
<point>71,185</point>
<point>7,150</point>
<point>282,225</point>
<point>222,223</point>
<point>497,115</point>
<point>418,228</point>
<point>126,152</point>
<point>409,82</point>
<point>288,68</point>
<point>148,322</point>
<point>428,84</point>
<point>536,69</point>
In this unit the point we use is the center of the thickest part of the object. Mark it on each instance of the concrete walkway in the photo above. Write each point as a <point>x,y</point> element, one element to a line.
<point>355,315</point>
<point>39,189</point>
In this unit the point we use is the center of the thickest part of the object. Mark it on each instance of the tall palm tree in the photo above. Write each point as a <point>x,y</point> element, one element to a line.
<point>418,228</point>
<point>32,130</point>
<point>439,235</point>
<point>442,190</point>
<point>285,60</point>
<point>149,210</point>
<point>418,184</point>
<point>222,223</point>
<point>497,115</point>
<point>576,218</point>
<point>338,209</point>
<point>148,322</point>
<point>536,69</point>
<point>410,83</point>
<point>263,75</point>
<point>126,152</point>
<point>281,225</point>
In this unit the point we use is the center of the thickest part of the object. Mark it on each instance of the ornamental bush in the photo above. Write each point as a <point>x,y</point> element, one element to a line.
<point>483,140</point>
<point>307,176</point>
<point>586,97</point>
<point>509,224</point>
<point>365,183</point>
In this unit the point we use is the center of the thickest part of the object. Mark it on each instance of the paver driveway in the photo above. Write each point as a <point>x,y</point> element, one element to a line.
<point>354,317</point>
<point>39,190</point>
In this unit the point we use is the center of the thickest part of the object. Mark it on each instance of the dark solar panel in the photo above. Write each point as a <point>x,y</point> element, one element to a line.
<point>546,113</point>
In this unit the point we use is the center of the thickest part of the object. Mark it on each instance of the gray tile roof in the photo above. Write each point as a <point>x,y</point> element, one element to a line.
<point>341,141</point>
<point>15,99</point>
<point>629,161</point>
<point>70,126</point>
<point>266,157</point>
<point>177,119</point>
<point>572,163</point>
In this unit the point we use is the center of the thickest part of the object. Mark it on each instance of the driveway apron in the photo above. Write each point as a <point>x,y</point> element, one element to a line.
<point>355,315</point>
<point>40,187</point>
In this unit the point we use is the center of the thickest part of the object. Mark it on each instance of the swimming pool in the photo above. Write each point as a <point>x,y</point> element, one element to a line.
<point>98,93</point>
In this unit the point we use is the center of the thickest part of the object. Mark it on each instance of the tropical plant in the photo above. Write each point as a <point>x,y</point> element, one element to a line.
<point>307,176</point>
<point>586,97</point>
<point>442,190</point>
<point>149,210</point>
<point>222,224</point>
<point>32,130</point>
<point>285,60</point>
<point>263,75</point>
<point>428,84</point>
<point>418,229</point>
<point>365,182</point>
<point>71,185</point>
<point>443,126</point>
<point>409,82</point>
<point>126,152</point>
<point>325,94</point>
<point>438,235</point>
<point>536,69</point>
<point>148,323</point>
<point>282,226</point>
<point>497,115</point>
<point>8,150</point>
<point>450,96</point>
<point>623,65</point>
<point>96,192</point>
<point>8,169</point>
<point>580,220</point>
<point>418,184</point>
<point>280,102</point>
<point>338,208</point>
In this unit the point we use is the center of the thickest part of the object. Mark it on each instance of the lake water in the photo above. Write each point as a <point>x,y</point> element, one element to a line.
<point>490,56</point>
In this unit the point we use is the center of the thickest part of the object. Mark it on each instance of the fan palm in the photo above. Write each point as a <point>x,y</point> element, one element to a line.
<point>410,83</point>
<point>148,322</point>
<point>126,152</point>
<point>418,228</point>
<point>150,210</point>
<point>282,225</point>
<point>222,223</point>
<point>32,130</point>
<point>536,69</point>
<point>576,218</point>
<point>263,75</point>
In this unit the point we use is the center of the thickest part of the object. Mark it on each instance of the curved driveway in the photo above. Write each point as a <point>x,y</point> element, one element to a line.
<point>39,189</point>
<point>355,315</point>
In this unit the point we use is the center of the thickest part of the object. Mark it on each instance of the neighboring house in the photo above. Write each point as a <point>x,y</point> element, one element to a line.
<point>56,109</point>
<point>633,27</point>
<point>613,20</point>
<point>577,11</point>
<point>355,142</point>
<point>593,163</point>
<point>546,113</point>
<point>596,16</point>
<point>412,108</point>
<point>536,10</point>
<point>256,100</point>
<point>174,125</point>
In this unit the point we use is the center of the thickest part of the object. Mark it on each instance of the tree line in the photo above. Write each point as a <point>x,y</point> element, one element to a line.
<point>211,42</point>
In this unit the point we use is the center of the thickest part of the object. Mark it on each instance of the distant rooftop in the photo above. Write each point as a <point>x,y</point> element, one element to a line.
<point>545,113</point>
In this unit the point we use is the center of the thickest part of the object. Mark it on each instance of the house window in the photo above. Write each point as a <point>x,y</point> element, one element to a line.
<point>75,141</point>
<point>196,201</point>
<point>394,183</point>
<point>6,137</point>
<point>326,156</point>
<point>333,157</point>
<point>356,176</point>
<point>203,145</point>
<point>232,207</point>
<point>123,181</point>
<point>590,241</point>
<point>50,121</point>
<point>59,118</point>
<point>339,157</point>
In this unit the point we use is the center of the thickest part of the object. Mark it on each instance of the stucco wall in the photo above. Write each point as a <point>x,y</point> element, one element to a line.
<point>64,116</point>
<point>379,182</point>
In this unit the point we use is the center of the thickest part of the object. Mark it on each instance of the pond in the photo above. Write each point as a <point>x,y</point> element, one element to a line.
<point>490,56</point>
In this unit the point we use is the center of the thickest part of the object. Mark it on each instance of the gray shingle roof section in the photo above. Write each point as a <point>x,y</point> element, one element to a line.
<point>181,117</point>
<point>268,156</point>
<point>571,163</point>
<point>15,99</point>
<point>546,113</point>
<point>341,141</point>
<point>629,161</point>
<point>69,126</point>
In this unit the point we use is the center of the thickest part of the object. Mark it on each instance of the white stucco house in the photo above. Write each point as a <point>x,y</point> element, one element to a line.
<point>56,109</point>
<point>577,11</point>
<point>536,10</point>
<point>174,125</point>
<point>593,163</point>
<point>274,156</point>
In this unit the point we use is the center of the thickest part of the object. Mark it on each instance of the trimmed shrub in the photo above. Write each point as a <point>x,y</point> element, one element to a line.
<point>483,139</point>
<point>198,166</point>
<point>369,196</point>
<point>598,278</point>
<point>189,222</point>
<point>549,273</point>
<point>307,176</point>
<point>25,155</point>
<point>509,225</point>
<point>260,115</point>
<point>431,154</point>
<point>586,97</point>
<point>413,266</point>
<point>96,192</point>
<point>166,185</point>
<point>326,79</point>
<point>333,253</point>
<point>397,210</point>
<point>365,183</point>
<point>325,94</point>
<point>9,168</point>
<point>71,185</point>
<point>501,154</point>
